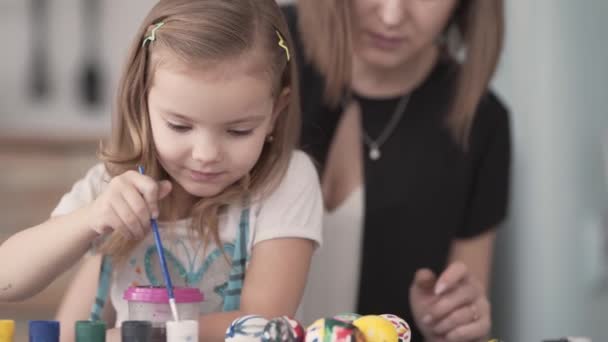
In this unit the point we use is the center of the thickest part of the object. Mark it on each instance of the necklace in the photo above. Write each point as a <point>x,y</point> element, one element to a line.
<point>374,145</point>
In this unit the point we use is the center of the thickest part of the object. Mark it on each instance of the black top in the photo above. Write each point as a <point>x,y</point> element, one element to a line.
<point>424,191</point>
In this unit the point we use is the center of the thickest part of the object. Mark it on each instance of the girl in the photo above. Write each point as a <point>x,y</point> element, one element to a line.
<point>208,104</point>
<point>414,152</point>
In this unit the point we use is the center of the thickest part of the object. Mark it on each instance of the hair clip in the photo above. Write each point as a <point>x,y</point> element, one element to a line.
<point>283,45</point>
<point>152,36</point>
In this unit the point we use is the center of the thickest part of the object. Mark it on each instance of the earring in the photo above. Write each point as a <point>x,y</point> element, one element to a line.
<point>269,138</point>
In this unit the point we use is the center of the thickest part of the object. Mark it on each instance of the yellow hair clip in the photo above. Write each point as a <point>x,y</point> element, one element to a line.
<point>283,45</point>
<point>152,36</point>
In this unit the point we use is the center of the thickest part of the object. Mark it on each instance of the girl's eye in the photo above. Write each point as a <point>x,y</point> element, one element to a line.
<point>178,128</point>
<point>239,132</point>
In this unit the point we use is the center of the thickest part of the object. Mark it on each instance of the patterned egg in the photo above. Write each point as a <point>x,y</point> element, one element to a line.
<point>347,317</point>
<point>246,329</point>
<point>376,329</point>
<point>330,329</point>
<point>316,331</point>
<point>297,329</point>
<point>278,330</point>
<point>403,329</point>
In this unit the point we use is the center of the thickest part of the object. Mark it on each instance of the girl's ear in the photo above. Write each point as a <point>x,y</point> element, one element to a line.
<point>280,104</point>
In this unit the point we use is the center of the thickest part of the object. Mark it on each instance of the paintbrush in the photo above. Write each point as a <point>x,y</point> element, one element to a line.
<point>163,262</point>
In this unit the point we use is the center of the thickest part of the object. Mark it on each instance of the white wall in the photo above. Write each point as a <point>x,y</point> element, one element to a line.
<point>554,75</point>
<point>63,108</point>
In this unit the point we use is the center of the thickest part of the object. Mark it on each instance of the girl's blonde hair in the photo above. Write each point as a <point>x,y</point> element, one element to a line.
<point>326,29</point>
<point>198,32</point>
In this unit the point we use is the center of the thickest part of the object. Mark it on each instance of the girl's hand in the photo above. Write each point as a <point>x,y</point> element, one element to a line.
<point>127,205</point>
<point>452,307</point>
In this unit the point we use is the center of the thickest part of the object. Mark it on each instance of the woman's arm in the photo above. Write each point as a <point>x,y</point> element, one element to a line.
<point>454,305</point>
<point>78,300</point>
<point>274,284</point>
<point>476,253</point>
<point>36,256</point>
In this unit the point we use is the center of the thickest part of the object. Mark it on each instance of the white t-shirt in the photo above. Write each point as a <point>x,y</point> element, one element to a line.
<point>293,210</point>
<point>333,280</point>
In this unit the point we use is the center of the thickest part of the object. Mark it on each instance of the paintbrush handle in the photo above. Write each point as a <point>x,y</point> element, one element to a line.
<point>161,255</point>
<point>160,250</point>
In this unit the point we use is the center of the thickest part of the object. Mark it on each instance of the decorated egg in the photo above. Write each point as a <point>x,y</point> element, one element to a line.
<point>246,329</point>
<point>347,317</point>
<point>403,329</point>
<point>330,329</point>
<point>376,329</point>
<point>278,330</point>
<point>316,331</point>
<point>297,329</point>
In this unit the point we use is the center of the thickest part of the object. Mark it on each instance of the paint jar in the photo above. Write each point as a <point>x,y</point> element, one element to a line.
<point>90,331</point>
<point>182,331</point>
<point>7,330</point>
<point>136,331</point>
<point>151,303</point>
<point>44,331</point>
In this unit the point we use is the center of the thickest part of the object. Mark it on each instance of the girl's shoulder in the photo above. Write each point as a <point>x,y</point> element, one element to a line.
<point>301,169</point>
<point>295,208</point>
<point>301,177</point>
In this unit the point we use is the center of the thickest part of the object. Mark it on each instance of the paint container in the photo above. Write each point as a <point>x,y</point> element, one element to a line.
<point>182,331</point>
<point>136,331</point>
<point>7,330</point>
<point>151,303</point>
<point>44,331</point>
<point>90,331</point>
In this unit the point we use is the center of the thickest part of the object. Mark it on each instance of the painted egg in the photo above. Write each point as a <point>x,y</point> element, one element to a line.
<point>246,329</point>
<point>347,317</point>
<point>376,329</point>
<point>316,331</point>
<point>278,330</point>
<point>330,329</point>
<point>404,332</point>
<point>297,329</point>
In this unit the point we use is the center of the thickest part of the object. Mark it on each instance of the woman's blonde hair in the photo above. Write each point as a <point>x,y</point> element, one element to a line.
<point>326,29</point>
<point>198,32</point>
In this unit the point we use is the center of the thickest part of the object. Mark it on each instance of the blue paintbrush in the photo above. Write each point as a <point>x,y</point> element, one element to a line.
<point>163,262</point>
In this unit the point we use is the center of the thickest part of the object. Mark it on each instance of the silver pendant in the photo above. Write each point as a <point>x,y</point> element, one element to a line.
<point>374,153</point>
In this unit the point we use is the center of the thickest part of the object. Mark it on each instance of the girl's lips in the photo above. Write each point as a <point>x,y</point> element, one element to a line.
<point>205,176</point>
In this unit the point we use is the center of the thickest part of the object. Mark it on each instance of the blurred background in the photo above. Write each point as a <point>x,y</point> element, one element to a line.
<point>60,61</point>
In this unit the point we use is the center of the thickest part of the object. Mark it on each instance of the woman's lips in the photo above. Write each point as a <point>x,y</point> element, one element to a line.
<point>385,42</point>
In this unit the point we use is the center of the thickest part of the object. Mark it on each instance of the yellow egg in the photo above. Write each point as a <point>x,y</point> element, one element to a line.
<point>376,329</point>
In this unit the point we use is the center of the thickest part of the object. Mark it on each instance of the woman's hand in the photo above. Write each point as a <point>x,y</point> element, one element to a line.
<point>127,205</point>
<point>453,307</point>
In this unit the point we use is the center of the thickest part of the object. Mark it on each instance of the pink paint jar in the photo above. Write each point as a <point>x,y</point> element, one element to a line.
<point>151,303</point>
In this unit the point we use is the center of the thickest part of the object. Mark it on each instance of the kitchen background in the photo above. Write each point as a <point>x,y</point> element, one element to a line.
<point>59,63</point>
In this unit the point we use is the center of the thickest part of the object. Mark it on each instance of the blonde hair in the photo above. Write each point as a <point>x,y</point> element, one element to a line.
<point>326,29</point>
<point>197,32</point>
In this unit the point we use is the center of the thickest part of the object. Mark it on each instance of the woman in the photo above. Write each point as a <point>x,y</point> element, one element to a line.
<point>414,155</point>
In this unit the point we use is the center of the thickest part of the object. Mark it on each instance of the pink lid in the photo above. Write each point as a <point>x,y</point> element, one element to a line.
<point>158,294</point>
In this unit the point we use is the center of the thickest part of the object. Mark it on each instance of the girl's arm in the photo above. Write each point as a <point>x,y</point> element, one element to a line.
<point>78,300</point>
<point>34,257</point>
<point>274,284</point>
<point>39,254</point>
